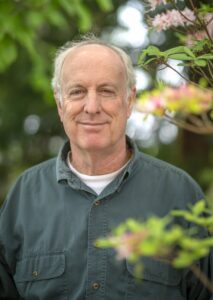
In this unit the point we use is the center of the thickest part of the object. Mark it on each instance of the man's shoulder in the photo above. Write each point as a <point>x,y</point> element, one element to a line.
<point>154,164</point>
<point>166,175</point>
<point>39,173</point>
<point>43,168</point>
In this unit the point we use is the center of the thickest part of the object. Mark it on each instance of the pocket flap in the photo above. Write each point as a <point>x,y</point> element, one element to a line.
<point>40,267</point>
<point>157,271</point>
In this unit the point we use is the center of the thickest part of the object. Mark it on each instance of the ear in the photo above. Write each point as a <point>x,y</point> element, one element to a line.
<point>131,100</point>
<point>59,106</point>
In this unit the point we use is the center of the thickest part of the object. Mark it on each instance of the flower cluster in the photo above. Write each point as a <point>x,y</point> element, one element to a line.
<point>186,17</point>
<point>174,18</point>
<point>127,243</point>
<point>184,100</point>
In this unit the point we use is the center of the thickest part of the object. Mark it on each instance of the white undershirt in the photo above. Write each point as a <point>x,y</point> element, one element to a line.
<point>96,183</point>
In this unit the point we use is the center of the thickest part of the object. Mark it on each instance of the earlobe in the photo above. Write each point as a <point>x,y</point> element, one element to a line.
<point>59,108</point>
<point>131,100</point>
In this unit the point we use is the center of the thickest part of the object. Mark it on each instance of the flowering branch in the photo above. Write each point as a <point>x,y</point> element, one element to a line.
<point>188,106</point>
<point>197,55</point>
<point>164,240</point>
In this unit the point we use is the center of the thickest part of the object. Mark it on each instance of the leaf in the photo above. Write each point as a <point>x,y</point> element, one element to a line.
<point>201,45</point>
<point>180,56</point>
<point>26,39</point>
<point>189,52</point>
<point>68,6</point>
<point>183,260</point>
<point>35,19</point>
<point>84,17</point>
<point>150,51</point>
<point>199,208</point>
<point>56,18</point>
<point>205,56</point>
<point>8,53</point>
<point>179,50</point>
<point>200,62</point>
<point>105,5</point>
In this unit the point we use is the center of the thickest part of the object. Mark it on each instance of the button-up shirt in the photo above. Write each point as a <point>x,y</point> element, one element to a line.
<point>50,221</point>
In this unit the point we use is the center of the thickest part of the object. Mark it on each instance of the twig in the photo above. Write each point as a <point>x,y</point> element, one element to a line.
<point>203,24</point>
<point>190,127</point>
<point>202,277</point>
<point>169,66</point>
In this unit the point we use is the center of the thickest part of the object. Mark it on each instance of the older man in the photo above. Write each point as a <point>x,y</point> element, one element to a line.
<point>57,209</point>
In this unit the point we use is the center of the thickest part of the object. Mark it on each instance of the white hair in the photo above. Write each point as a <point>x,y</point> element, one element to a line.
<point>62,53</point>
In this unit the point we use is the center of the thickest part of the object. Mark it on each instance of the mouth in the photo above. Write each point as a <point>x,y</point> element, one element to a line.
<point>92,124</point>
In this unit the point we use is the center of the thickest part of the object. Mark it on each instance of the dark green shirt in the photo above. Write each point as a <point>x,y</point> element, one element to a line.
<point>50,220</point>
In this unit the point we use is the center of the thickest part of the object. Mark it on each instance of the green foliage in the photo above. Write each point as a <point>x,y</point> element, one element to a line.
<point>199,215</point>
<point>163,239</point>
<point>152,54</point>
<point>23,24</point>
<point>30,33</point>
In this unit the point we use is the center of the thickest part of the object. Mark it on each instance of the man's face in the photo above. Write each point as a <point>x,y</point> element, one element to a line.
<point>95,102</point>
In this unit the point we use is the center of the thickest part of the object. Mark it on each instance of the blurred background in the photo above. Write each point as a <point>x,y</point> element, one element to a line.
<point>30,130</point>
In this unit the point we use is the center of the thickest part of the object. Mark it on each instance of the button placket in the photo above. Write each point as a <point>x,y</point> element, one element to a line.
<point>97,258</point>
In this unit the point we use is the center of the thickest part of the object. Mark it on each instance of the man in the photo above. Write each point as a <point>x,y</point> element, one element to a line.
<point>58,209</point>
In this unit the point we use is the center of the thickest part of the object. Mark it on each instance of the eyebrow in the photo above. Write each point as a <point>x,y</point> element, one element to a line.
<point>79,85</point>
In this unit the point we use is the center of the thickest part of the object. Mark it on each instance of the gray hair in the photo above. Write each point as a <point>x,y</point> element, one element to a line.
<point>62,53</point>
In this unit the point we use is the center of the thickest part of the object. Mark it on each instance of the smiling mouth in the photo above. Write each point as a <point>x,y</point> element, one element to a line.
<point>92,124</point>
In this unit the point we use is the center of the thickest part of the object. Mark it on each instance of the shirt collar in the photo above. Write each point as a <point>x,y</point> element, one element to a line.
<point>63,172</point>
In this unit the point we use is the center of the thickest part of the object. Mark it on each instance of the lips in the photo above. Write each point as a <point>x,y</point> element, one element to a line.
<point>92,124</point>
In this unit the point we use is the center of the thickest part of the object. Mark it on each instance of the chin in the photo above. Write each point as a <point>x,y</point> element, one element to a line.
<point>94,145</point>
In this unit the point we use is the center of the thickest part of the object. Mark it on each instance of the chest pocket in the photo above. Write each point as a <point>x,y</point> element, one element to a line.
<point>41,277</point>
<point>159,281</point>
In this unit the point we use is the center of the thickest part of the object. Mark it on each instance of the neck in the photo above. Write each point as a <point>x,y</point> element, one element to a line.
<point>99,163</point>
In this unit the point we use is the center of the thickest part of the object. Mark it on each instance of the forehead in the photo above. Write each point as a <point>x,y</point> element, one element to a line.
<point>92,59</point>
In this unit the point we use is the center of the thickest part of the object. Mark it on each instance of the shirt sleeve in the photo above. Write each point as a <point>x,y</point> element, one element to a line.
<point>8,289</point>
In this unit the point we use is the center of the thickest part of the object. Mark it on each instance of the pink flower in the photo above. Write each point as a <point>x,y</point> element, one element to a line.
<point>174,18</point>
<point>189,16</point>
<point>130,243</point>
<point>187,99</point>
<point>161,22</point>
<point>201,34</point>
<point>196,36</point>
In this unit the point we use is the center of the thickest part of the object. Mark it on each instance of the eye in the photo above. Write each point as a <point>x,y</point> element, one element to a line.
<point>106,92</point>
<point>76,94</point>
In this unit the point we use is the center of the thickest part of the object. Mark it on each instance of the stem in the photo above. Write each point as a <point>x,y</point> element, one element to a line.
<point>169,66</point>
<point>195,120</point>
<point>205,76</point>
<point>210,71</point>
<point>192,128</point>
<point>205,119</point>
<point>203,24</point>
<point>202,277</point>
<point>180,12</point>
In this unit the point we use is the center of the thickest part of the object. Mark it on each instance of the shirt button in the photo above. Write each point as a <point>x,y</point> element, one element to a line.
<point>35,274</point>
<point>98,202</point>
<point>96,286</point>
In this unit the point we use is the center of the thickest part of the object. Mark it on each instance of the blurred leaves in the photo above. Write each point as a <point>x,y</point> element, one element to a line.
<point>30,33</point>
<point>165,238</point>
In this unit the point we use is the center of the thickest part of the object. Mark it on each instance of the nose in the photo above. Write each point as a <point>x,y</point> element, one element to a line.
<point>92,104</point>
